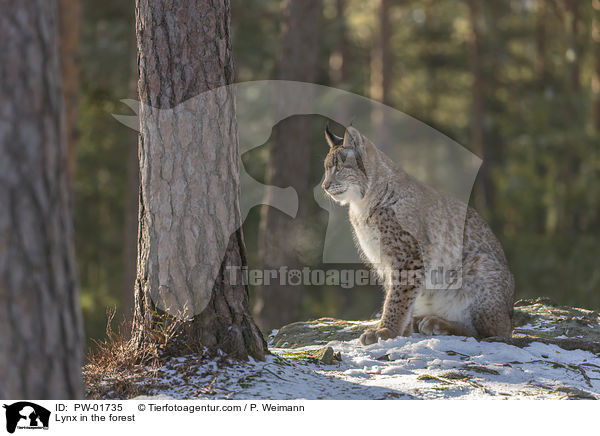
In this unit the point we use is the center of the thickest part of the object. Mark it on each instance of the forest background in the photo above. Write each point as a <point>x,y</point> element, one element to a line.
<point>515,81</point>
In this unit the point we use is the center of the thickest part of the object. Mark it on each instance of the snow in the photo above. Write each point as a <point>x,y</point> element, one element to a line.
<point>415,367</point>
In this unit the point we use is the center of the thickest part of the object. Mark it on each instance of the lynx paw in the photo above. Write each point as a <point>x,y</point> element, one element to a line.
<point>432,325</point>
<point>373,335</point>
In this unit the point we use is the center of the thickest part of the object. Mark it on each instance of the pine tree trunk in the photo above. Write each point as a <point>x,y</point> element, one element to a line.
<point>596,60</point>
<point>131,204</point>
<point>381,56</point>
<point>289,165</point>
<point>381,73</point>
<point>484,189</point>
<point>184,49</point>
<point>541,35</point>
<point>40,317</point>
<point>339,71</point>
<point>70,35</point>
<point>569,217</point>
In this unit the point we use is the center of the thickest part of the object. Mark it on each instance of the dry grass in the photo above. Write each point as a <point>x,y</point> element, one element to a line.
<point>118,369</point>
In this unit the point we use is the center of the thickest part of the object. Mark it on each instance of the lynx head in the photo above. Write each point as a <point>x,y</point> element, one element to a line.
<point>345,174</point>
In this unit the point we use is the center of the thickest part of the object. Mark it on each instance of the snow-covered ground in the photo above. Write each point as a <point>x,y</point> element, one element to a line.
<point>416,367</point>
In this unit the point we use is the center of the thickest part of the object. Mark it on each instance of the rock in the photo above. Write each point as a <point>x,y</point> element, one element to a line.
<point>542,320</point>
<point>324,355</point>
<point>575,394</point>
<point>535,320</point>
<point>320,331</point>
<point>536,300</point>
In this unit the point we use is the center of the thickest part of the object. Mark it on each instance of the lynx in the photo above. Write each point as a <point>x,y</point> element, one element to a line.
<point>399,223</point>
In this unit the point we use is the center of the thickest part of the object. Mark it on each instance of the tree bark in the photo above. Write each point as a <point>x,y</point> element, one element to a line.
<point>184,49</point>
<point>40,317</point>
<point>289,165</point>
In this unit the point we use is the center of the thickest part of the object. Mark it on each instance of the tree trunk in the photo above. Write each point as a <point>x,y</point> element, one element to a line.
<point>339,60</point>
<point>70,35</point>
<point>130,231</point>
<point>574,21</point>
<point>131,205</point>
<point>184,49</point>
<point>40,317</point>
<point>381,72</point>
<point>569,217</point>
<point>484,195</point>
<point>381,56</point>
<point>541,35</point>
<point>596,60</point>
<point>289,165</point>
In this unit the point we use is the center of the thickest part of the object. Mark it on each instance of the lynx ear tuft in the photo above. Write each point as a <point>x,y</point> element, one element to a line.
<point>332,139</point>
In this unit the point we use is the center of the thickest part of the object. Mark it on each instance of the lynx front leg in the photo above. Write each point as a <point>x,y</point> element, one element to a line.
<point>396,318</point>
<point>402,271</point>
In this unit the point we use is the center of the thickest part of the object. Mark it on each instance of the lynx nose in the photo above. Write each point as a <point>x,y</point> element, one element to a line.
<point>326,184</point>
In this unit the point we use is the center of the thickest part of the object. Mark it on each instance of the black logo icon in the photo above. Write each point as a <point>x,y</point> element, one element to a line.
<point>26,415</point>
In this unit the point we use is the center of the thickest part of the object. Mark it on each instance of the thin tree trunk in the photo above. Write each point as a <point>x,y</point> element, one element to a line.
<point>381,56</point>
<point>574,21</point>
<point>596,60</point>
<point>569,217</point>
<point>188,190</point>
<point>381,71</point>
<point>70,36</point>
<point>485,192</point>
<point>387,66</point>
<point>289,165</point>
<point>40,317</point>
<point>340,61</point>
<point>131,207</point>
<point>130,231</point>
<point>541,35</point>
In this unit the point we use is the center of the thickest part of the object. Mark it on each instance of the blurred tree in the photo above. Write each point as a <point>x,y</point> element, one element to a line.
<point>478,111</point>
<point>382,69</point>
<point>340,56</point>
<point>168,33</point>
<point>570,215</point>
<point>70,35</point>
<point>595,49</point>
<point>532,122</point>
<point>40,317</point>
<point>132,193</point>
<point>541,42</point>
<point>381,55</point>
<point>281,238</point>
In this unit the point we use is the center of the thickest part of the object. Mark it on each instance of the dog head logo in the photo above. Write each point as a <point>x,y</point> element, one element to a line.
<point>26,415</point>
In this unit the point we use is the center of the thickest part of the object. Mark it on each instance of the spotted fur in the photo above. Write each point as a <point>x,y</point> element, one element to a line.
<point>402,225</point>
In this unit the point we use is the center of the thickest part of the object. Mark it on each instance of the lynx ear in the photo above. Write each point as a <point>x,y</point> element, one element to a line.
<point>352,138</point>
<point>332,140</point>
